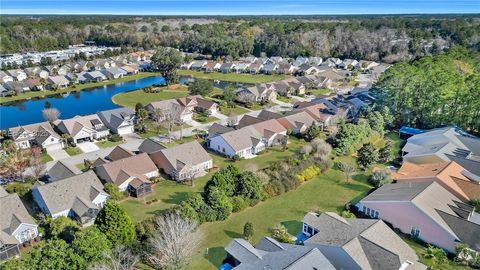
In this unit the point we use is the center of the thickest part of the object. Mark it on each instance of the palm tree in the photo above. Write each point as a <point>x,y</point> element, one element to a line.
<point>436,256</point>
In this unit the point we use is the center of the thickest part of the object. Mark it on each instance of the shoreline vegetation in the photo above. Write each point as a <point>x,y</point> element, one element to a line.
<point>79,87</point>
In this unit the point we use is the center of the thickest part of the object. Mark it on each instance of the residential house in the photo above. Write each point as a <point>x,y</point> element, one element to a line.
<point>130,69</point>
<point>271,254</point>
<point>17,74</point>
<point>350,243</point>
<point>34,84</point>
<point>58,82</point>
<point>282,88</point>
<point>300,61</point>
<point>269,68</point>
<point>450,175</point>
<point>286,68</point>
<point>307,69</point>
<point>297,123</point>
<point>295,86</point>
<point>100,64</point>
<point>17,87</point>
<point>16,225</point>
<point>315,61</point>
<point>325,113</point>
<point>4,77</point>
<point>257,93</point>
<point>267,115</point>
<point>114,73</point>
<point>248,141</point>
<point>83,128</point>
<point>444,144</point>
<point>348,64</point>
<point>181,113</point>
<point>226,67</point>
<point>248,120</point>
<point>120,121</point>
<point>150,146</point>
<point>39,134</point>
<point>217,129</point>
<point>80,66</point>
<point>79,197</point>
<point>36,72</point>
<point>426,211</point>
<point>129,174</point>
<point>211,66</point>
<point>198,65</point>
<point>241,67</point>
<point>183,162</point>
<point>95,76</point>
<point>199,104</point>
<point>61,171</point>
<point>254,68</point>
<point>5,92</point>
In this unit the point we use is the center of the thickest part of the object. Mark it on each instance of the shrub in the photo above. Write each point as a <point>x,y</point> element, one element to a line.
<point>114,192</point>
<point>238,204</point>
<point>248,231</point>
<point>347,214</point>
<point>367,155</point>
<point>379,178</point>
<point>308,173</point>
<point>280,233</point>
<point>115,138</point>
<point>235,157</point>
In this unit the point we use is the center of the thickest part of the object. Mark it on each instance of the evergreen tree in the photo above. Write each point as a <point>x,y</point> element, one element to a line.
<point>115,223</point>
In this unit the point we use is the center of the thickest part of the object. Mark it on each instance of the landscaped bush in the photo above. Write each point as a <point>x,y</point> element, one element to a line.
<point>114,192</point>
<point>308,173</point>
<point>280,233</point>
<point>379,178</point>
<point>238,204</point>
<point>115,138</point>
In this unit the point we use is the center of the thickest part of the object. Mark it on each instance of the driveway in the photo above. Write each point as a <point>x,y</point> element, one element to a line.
<point>220,116</point>
<point>88,147</point>
<point>58,154</point>
<point>193,123</point>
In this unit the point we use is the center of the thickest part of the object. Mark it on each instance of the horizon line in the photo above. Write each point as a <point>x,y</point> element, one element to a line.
<point>234,15</point>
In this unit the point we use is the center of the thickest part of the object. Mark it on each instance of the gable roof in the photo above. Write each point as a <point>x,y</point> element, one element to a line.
<point>116,117</point>
<point>432,199</point>
<point>61,171</point>
<point>297,120</point>
<point>63,194</point>
<point>270,254</point>
<point>247,120</point>
<point>185,154</point>
<point>121,170</point>
<point>74,125</point>
<point>267,115</point>
<point>149,146</point>
<point>118,153</point>
<point>370,243</point>
<point>13,213</point>
<point>216,129</point>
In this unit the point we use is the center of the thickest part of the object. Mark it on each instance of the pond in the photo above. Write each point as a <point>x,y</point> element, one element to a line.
<point>71,104</point>
<point>83,102</point>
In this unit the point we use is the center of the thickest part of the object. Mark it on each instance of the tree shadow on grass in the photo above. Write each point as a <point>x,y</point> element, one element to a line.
<point>233,234</point>
<point>215,255</point>
<point>177,197</point>
<point>293,226</point>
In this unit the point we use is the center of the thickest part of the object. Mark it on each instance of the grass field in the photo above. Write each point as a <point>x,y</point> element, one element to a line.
<point>45,157</point>
<point>79,87</point>
<point>233,77</point>
<point>320,91</point>
<point>129,99</point>
<point>107,143</point>
<point>327,192</point>
<point>203,118</point>
<point>72,151</point>
<point>236,110</point>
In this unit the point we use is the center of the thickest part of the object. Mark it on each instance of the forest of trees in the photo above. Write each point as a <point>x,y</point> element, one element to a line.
<point>386,38</point>
<point>434,91</point>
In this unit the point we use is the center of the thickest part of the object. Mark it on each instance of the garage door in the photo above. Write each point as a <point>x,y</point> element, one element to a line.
<point>125,130</point>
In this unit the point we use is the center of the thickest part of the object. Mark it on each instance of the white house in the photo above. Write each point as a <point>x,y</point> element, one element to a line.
<point>83,128</point>
<point>40,134</point>
<point>79,197</point>
<point>120,121</point>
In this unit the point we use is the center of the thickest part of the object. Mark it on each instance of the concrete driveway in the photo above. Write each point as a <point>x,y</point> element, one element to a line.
<point>58,154</point>
<point>88,147</point>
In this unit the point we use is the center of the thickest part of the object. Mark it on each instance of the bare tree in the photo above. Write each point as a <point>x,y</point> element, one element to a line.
<point>158,117</point>
<point>245,98</point>
<point>36,164</point>
<point>120,258</point>
<point>321,149</point>
<point>175,241</point>
<point>50,114</point>
<point>347,169</point>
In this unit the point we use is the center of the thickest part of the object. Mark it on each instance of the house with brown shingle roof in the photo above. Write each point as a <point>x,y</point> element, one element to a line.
<point>128,172</point>
<point>450,175</point>
<point>40,134</point>
<point>298,123</point>
<point>83,128</point>
<point>184,161</point>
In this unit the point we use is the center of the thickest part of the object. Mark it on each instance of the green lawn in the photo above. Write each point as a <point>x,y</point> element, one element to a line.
<point>284,99</point>
<point>72,151</point>
<point>320,91</point>
<point>81,166</point>
<point>236,110</point>
<point>327,192</point>
<point>129,99</point>
<point>203,118</point>
<point>107,143</point>
<point>78,87</point>
<point>233,77</point>
<point>45,157</point>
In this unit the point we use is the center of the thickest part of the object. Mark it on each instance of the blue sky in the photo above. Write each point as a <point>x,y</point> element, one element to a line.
<point>237,7</point>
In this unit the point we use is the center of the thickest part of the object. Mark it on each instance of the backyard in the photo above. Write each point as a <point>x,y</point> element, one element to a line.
<point>129,99</point>
<point>233,77</point>
<point>78,87</point>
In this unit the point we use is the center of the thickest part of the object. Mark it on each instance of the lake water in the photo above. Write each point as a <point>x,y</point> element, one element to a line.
<point>78,103</point>
<point>75,103</point>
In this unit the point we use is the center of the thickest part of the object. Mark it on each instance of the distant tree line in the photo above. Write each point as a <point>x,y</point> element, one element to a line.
<point>387,38</point>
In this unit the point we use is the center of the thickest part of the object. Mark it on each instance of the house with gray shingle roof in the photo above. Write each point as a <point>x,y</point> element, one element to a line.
<point>271,254</point>
<point>114,73</point>
<point>16,225</point>
<point>60,171</point>
<point>79,197</point>
<point>427,211</point>
<point>95,76</point>
<point>40,134</point>
<point>149,146</point>
<point>444,144</point>
<point>358,243</point>
<point>120,121</point>
<point>183,161</point>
